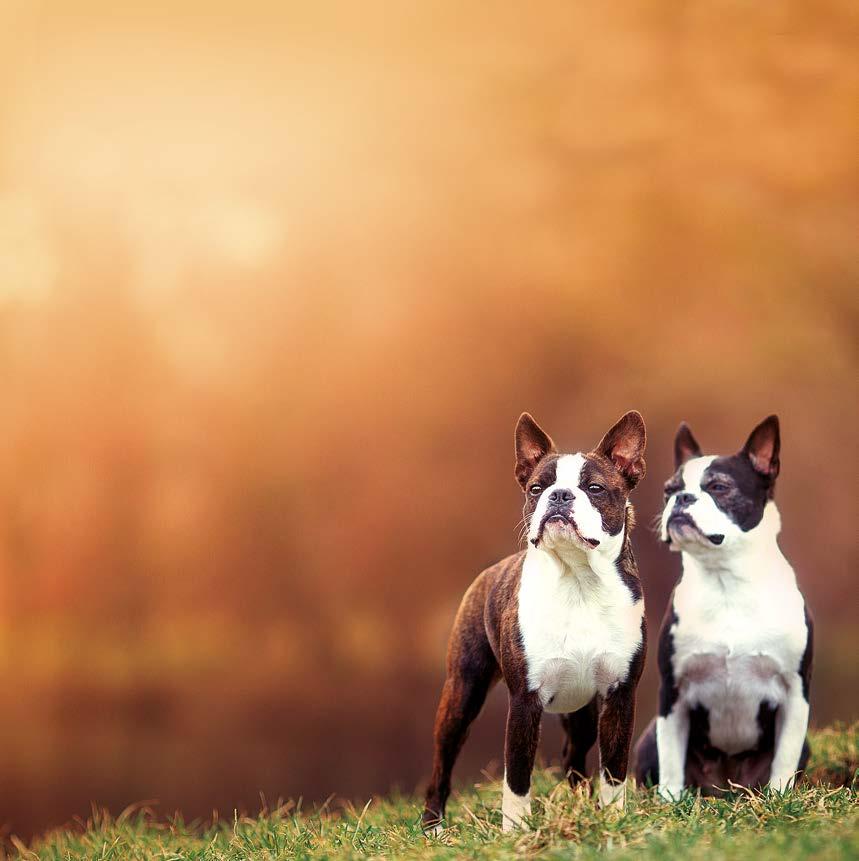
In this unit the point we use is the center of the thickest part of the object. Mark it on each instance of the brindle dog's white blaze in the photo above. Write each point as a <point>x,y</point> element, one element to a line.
<point>738,641</point>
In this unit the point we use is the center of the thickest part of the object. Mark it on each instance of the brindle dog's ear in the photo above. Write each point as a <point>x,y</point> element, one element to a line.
<point>532,445</point>
<point>624,445</point>
<point>762,447</point>
<point>685,446</point>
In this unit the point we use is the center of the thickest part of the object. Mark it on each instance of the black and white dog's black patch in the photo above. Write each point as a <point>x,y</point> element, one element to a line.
<point>736,643</point>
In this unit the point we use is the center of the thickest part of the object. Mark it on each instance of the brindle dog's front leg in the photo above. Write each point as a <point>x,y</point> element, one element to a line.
<point>617,717</point>
<point>520,747</point>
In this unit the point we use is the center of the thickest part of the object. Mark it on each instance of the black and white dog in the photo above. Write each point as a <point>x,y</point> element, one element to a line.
<point>562,623</point>
<point>735,648</point>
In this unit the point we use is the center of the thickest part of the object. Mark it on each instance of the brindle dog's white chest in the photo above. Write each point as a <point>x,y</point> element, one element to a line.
<point>579,633</point>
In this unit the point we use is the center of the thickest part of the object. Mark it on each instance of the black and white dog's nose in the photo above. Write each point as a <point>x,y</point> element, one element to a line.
<point>684,499</point>
<point>561,497</point>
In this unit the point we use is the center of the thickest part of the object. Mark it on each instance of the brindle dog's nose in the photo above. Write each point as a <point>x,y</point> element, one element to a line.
<point>561,497</point>
<point>682,500</point>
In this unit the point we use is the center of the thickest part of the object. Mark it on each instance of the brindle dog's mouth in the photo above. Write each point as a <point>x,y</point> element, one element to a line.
<point>559,517</point>
<point>681,521</point>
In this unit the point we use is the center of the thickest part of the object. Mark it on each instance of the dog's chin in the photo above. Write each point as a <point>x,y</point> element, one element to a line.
<point>684,534</point>
<point>559,533</point>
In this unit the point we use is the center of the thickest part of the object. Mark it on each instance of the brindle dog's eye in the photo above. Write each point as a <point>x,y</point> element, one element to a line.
<point>536,490</point>
<point>718,487</point>
<point>595,488</point>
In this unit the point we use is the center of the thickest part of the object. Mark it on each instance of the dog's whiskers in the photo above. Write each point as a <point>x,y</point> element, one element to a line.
<point>656,523</point>
<point>523,527</point>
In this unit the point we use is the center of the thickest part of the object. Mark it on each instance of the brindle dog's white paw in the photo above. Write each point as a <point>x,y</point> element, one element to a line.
<point>612,794</point>
<point>514,809</point>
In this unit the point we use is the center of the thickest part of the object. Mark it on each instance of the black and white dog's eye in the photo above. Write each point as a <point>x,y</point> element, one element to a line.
<point>718,487</point>
<point>536,490</point>
<point>595,488</point>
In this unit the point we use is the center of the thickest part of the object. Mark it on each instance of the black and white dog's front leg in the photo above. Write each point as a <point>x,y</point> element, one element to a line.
<point>792,718</point>
<point>791,727</point>
<point>672,742</point>
<point>672,722</point>
<point>520,748</point>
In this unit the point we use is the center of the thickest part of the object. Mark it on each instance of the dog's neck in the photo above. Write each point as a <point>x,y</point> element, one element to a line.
<point>568,561</point>
<point>755,557</point>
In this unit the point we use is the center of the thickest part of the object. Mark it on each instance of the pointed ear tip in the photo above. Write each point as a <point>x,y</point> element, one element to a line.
<point>770,423</point>
<point>631,418</point>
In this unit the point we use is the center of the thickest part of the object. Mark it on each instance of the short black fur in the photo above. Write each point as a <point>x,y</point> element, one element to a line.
<point>748,491</point>
<point>807,656</point>
<point>664,658</point>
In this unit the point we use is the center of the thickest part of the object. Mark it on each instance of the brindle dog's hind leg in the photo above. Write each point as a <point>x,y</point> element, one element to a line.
<point>471,671</point>
<point>580,734</point>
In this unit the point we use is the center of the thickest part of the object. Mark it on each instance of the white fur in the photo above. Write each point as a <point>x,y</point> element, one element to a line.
<point>580,627</point>
<point>791,728</point>
<point>612,794</point>
<point>738,641</point>
<point>514,808</point>
<point>672,738</point>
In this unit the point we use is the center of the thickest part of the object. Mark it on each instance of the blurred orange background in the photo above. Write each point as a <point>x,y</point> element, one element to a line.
<point>276,281</point>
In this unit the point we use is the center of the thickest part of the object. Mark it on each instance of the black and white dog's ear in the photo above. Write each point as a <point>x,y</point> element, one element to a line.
<point>532,445</point>
<point>624,446</point>
<point>685,446</point>
<point>762,447</point>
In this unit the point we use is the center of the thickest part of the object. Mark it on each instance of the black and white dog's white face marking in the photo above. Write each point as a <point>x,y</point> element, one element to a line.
<point>577,502</point>
<point>715,502</point>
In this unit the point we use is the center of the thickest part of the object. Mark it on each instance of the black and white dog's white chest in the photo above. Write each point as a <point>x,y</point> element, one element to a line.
<point>734,657</point>
<point>579,633</point>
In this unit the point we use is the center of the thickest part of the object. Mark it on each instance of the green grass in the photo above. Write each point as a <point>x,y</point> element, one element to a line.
<point>819,820</point>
